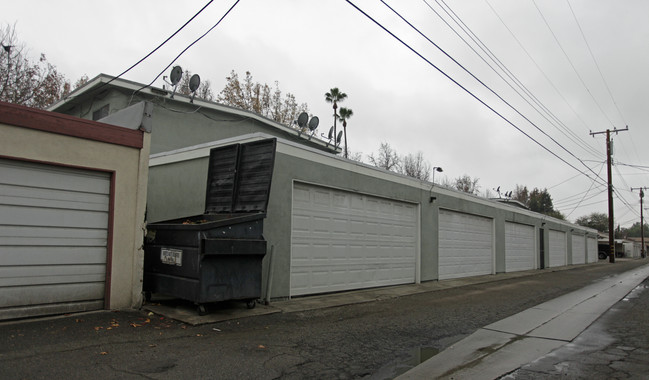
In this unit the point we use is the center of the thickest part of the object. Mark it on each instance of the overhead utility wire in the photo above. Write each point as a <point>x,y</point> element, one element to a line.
<point>556,122</point>
<point>623,200</point>
<point>567,203</point>
<point>583,35</point>
<point>571,197</point>
<point>577,198</point>
<point>571,64</point>
<point>641,167</point>
<point>159,46</point>
<point>584,198</point>
<point>187,48</point>
<point>584,205</point>
<point>573,177</point>
<point>547,78</point>
<point>474,96</point>
<point>579,203</point>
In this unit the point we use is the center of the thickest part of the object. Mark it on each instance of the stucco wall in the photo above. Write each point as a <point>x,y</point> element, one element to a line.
<point>130,168</point>
<point>179,123</point>
<point>177,189</point>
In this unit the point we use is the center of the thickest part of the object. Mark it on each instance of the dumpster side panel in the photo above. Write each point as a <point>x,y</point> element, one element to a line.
<point>230,277</point>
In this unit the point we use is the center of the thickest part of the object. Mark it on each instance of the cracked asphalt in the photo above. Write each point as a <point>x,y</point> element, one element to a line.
<point>373,340</point>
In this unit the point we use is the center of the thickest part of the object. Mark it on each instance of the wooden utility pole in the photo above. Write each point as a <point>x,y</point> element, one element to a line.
<point>611,229</point>
<point>642,250</point>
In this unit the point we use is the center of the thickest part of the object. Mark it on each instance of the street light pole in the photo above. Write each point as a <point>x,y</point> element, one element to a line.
<point>435,169</point>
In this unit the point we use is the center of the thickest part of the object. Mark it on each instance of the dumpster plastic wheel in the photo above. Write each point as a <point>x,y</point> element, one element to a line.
<point>202,310</point>
<point>251,304</point>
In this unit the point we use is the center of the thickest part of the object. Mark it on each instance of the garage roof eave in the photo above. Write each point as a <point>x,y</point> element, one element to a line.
<point>300,151</point>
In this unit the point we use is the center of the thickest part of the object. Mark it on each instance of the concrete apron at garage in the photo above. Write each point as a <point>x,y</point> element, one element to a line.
<point>186,312</point>
<point>506,345</point>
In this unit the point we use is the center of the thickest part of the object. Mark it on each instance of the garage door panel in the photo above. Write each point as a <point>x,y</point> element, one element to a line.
<point>465,245</point>
<point>32,216</point>
<point>26,196</point>
<point>52,232</point>
<point>558,248</point>
<point>578,249</point>
<point>51,293</point>
<point>49,177</point>
<point>43,275</point>
<point>367,241</point>
<point>53,238</point>
<point>14,255</point>
<point>54,241</point>
<point>520,247</point>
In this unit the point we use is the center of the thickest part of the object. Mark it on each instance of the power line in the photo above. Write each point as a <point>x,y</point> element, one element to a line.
<point>547,78</point>
<point>556,122</point>
<point>641,167</point>
<point>576,175</point>
<point>583,35</point>
<point>570,61</point>
<point>159,46</point>
<point>187,48</point>
<point>470,93</point>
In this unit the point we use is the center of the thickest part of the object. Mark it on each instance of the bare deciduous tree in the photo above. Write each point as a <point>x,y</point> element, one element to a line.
<point>261,99</point>
<point>467,184</point>
<point>414,165</point>
<point>386,158</point>
<point>33,84</point>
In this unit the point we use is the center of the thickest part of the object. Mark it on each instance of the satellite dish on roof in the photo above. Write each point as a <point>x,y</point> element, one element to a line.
<point>176,75</point>
<point>313,123</point>
<point>331,133</point>
<point>194,82</point>
<point>340,135</point>
<point>302,120</point>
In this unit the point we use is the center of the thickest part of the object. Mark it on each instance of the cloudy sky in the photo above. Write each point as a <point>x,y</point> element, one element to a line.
<point>551,72</point>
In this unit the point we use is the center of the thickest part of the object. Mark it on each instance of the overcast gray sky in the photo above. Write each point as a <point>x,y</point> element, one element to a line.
<point>584,61</point>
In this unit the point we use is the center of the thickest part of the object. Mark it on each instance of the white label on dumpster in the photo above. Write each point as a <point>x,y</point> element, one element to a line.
<point>171,256</point>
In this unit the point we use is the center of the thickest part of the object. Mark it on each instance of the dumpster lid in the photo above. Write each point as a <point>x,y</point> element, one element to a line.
<point>239,177</point>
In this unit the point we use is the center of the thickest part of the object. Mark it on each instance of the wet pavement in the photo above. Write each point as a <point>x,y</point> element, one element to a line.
<point>616,346</point>
<point>504,346</point>
<point>369,334</point>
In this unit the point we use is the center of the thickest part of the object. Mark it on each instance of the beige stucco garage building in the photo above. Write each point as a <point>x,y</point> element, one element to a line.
<point>72,205</point>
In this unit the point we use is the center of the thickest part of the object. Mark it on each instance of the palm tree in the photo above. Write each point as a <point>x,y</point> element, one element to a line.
<point>334,96</point>
<point>345,113</point>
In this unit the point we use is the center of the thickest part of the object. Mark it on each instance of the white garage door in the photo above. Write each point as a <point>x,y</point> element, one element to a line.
<point>591,244</point>
<point>557,248</point>
<point>520,247</point>
<point>342,240</point>
<point>465,245</point>
<point>53,234</point>
<point>578,249</point>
